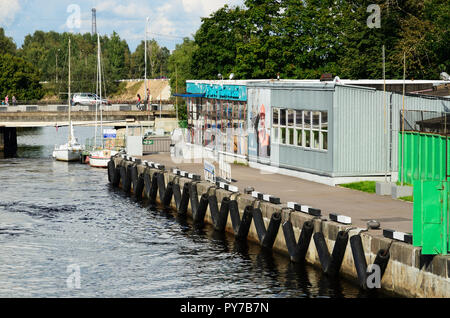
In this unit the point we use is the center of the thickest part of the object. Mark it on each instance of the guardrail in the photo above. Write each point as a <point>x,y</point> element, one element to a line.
<point>91,108</point>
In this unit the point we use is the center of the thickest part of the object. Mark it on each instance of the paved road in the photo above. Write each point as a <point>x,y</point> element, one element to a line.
<point>360,206</point>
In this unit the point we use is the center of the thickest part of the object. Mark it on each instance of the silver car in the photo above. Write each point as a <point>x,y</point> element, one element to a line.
<point>86,99</point>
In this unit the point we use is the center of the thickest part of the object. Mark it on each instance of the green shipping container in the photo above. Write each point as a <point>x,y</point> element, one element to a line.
<point>424,157</point>
<point>431,217</point>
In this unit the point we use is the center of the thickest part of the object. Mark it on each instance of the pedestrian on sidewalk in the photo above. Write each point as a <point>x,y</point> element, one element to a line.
<point>14,100</point>
<point>7,100</point>
<point>138,105</point>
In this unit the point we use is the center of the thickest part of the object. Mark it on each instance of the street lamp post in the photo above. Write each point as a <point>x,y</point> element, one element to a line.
<point>56,71</point>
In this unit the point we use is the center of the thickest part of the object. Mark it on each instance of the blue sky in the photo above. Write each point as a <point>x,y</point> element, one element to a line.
<point>170,20</point>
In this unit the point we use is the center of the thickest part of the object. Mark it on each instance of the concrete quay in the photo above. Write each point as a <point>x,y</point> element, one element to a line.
<point>408,273</point>
<point>360,206</point>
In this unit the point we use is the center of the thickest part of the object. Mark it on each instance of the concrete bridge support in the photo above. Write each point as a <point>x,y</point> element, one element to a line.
<point>8,142</point>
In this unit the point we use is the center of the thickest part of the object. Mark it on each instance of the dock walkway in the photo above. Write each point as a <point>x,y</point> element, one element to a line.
<point>360,206</point>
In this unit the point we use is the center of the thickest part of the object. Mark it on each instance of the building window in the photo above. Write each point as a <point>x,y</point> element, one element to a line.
<point>300,128</point>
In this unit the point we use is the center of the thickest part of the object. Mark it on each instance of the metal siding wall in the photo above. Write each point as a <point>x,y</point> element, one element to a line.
<point>295,157</point>
<point>359,132</point>
<point>411,103</point>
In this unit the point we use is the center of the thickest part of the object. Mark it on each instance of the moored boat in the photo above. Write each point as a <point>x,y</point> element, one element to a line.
<point>100,158</point>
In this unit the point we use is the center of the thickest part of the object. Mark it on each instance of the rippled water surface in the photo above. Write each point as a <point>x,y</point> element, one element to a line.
<point>54,215</point>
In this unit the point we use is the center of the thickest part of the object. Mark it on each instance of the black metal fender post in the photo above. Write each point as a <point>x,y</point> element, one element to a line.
<point>298,250</point>
<point>219,217</point>
<point>331,264</point>
<point>116,178</point>
<point>139,188</point>
<point>154,188</point>
<point>167,198</point>
<point>182,210</point>
<point>161,185</point>
<point>359,259</point>
<point>134,175</point>
<point>147,183</point>
<point>126,179</point>
<point>176,195</point>
<point>240,227</point>
<point>266,237</point>
<point>199,215</point>
<point>193,195</point>
<point>111,168</point>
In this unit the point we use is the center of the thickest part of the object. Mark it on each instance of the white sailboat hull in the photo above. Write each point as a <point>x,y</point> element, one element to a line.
<point>67,155</point>
<point>67,152</point>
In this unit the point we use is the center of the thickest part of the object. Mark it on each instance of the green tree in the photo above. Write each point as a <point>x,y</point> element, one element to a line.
<point>117,53</point>
<point>259,50</point>
<point>157,60</point>
<point>180,65</point>
<point>7,45</point>
<point>424,37</point>
<point>180,70</point>
<point>217,41</point>
<point>19,78</point>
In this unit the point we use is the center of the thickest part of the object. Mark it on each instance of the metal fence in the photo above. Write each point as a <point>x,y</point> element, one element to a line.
<point>423,146</point>
<point>425,121</point>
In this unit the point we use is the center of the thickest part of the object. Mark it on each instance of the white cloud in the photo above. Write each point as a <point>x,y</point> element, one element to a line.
<point>205,7</point>
<point>8,11</point>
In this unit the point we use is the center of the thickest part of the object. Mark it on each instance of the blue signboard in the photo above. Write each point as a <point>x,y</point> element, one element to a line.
<point>109,133</point>
<point>218,91</point>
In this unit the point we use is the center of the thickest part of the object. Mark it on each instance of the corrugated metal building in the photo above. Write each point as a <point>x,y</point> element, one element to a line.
<point>324,128</point>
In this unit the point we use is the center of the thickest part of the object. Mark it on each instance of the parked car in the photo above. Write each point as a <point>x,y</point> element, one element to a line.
<point>85,99</point>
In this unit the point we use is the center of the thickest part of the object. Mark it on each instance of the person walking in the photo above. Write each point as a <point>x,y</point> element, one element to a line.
<point>7,100</point>
<point>14,100</point>
<point>138,105</point>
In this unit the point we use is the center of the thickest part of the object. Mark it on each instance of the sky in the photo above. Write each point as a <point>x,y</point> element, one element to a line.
<point>169,21</point>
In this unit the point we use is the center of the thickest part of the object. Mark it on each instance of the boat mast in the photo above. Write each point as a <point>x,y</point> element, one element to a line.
<point>70,104</point>
<point>96,103</point>
<point>145,53</point>
<point>97,91</point>
<point>100,87</point>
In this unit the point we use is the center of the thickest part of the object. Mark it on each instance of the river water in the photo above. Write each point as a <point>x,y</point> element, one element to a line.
<point>64,232</point>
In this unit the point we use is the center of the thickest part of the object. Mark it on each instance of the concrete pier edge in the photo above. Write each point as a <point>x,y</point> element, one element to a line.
<point>408,273</point>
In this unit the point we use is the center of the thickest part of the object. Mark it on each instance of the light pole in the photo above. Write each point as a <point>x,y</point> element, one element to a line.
<point>56,71</point>
<point>145,58</point>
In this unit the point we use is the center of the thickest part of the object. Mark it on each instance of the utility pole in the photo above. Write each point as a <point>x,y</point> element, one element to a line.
<point>384,107</point>
<point>56,70</point>
<point>176,91</point>
<point>70,102</point>
<point>145,58</point>
<point>403,117</point>
<point>94,21</point>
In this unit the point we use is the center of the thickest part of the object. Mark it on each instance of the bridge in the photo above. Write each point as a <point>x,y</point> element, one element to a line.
<point>52,115</point>
<point>120,115</point>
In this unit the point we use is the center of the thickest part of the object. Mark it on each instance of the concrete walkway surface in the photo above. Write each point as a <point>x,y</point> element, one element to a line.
<point>360,206</point>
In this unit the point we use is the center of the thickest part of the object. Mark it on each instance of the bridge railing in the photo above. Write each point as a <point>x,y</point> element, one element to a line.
<point>91,108</point>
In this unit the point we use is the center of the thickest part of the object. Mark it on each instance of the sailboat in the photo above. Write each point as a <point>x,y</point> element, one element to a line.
<point>70,151</point>
<point>99,157</point>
